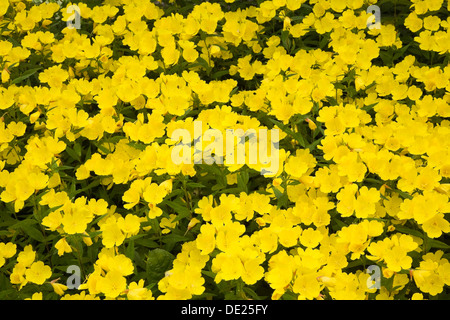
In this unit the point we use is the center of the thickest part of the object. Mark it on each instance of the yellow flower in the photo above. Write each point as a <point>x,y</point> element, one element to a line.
<point>431,23</point>
<point>130,225</point>
<point>413,22</point>
<point>190,54</point>
<point>307,286</point>
<point>75,221</point>
<point>112,234</point>
<point>206,241</point>
<point>154,211</point>
<point>35,296</point>
<point>4,5</point>
<point>396,259</point>
<point>58,287</point>
<point>54,76</point>
<point>281,270</point>
<point>167,224</point>
<point>347,200</point>
<point>38,273</point>
<point>53,220</point>
<point>387,36</point>
<point>300,163</point>
<point>266,239</point>
<point>136,291</point>
<point>62,246</point>
<point>170,54</point>
<point>153,194</point>
<point>365,202</point>
<point>417,296</point>
<point>112,284</point>
<point>27,256</point>
<point>7,250</point>
<point>310,238</point>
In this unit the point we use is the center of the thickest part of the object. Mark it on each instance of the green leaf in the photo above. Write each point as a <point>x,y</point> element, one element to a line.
<point>219,74</point>
<point>195,185</point>
<point>281,197</point>
<point>25,75</point>
<point>180,208</point>
<point>437,244</point>
<point>252,294</point>
<point>210,274</point>
<point>90,186</point>
<point>33,233</point>
<point>412,232</point>
<point>242,180</point>
<point>217,187</point>
<point>314,144</point>
<point>285,40</point>
<point>77,149</point>
<point>174,238</point>
<point>202,62</point>
<point>386,57</point>
<point>298,137</point>
<point>431,243</point>
<point>277,192</point>
<point>104,149</point>
<point>129,252</point>
<point>324,41</point>
<point>23,223</point>
<point>146,243</point>
<point>401,52</point>
<point>158,262</point>
<point>232,190</point>
<point>73,154</point>
<point>174,193</point>
<point>369,107</point>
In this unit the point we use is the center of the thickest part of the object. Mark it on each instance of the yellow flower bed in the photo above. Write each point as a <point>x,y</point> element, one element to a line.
<point>94,96</point>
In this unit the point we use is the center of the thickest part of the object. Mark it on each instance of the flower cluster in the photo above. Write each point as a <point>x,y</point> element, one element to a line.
<point>88,178</point>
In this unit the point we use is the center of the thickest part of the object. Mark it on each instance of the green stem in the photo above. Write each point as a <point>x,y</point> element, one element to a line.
<point>188,199</point>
